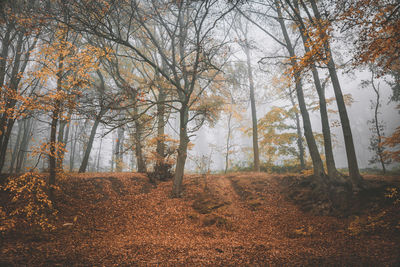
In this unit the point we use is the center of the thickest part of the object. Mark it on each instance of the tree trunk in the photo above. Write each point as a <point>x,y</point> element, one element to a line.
<point>74,140</point>
<point>253,110</point>
<point>99,153</point>
<point>330,160</point>
<point>312,146</point>
<point>228,138</point>
<point>16,146</point>
<point>85,159</point>
<point>377,127</point>
<point>354,172</point>
<point>182,152</point>
<point>28,125</point>
<point>140,161</point>
<point>53,128</point>
<point>160,150</point>
<point>119,149</point>
<point>299,135</point>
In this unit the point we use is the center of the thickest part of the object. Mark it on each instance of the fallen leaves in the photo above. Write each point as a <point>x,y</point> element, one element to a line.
<point>119,223</point>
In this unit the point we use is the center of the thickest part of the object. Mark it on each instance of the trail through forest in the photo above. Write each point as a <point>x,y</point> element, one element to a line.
<point>235,219</point>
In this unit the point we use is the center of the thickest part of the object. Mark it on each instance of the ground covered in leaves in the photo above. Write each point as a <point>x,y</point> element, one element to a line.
<point>235,219</point>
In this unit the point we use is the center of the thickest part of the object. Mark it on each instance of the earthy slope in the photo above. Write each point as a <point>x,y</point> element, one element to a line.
<point>238,219</point>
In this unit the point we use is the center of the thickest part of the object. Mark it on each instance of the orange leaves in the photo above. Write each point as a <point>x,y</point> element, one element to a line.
<point>379,32</point>
<point>317,35</point>
<point>32,206</point>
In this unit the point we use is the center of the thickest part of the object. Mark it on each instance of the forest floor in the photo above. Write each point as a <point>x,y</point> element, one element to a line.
<point>235,219</point>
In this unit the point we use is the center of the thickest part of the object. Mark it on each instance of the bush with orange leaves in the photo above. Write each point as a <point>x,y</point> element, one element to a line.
<point>30,204</point>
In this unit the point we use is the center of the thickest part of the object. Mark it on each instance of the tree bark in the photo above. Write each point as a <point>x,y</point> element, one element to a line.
<point>330,160</point>
<point>228,138</point>
<point>182,151</point>
<point>318,167</point>
<point>299,135</point>
<point>160,150</point>
<point>354,172</point>
<point>89,146</point>
<point>253,109</point>
<point>16,146</point>
<point>28,125</point>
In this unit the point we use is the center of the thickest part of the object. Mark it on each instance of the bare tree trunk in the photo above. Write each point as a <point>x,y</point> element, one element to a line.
<point>74,140</point>
<point>28,125</point>
<point>228,139</point>
<point>182,151</point>
<point>99,153</point>
<point>160,150</point>
<point>119,149</point>
<point>113,153</point>
<point>16,146</point>
<point>140,161</point>
<point>376,124</point>
<point>89,146</point>
<point>253,110</point>
<point>299,135</point>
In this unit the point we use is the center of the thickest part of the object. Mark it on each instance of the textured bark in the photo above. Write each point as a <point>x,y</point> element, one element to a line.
<point>160,149</point>
<point>182,152</point>
<point>140,161</point>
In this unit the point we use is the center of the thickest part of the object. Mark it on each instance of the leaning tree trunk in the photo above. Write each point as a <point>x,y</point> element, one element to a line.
<point>89,146</point>
<point>354,172</point>
<point>330,160</point>
<point>312,146</point>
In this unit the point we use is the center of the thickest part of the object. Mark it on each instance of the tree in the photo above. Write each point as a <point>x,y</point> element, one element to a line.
<point>321,50</point>
<point>19,22</point>
<point>312,146</point>
<point>70,67</point>
<point>377,126</point>
<point>241,30</point>
<point>191,57</point>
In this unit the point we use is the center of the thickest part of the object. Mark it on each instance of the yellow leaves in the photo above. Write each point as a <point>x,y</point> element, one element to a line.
<point>32,205</point>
